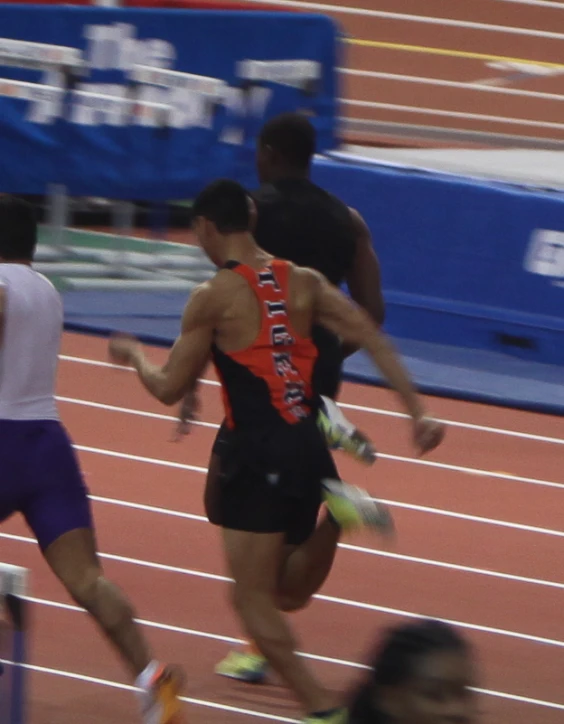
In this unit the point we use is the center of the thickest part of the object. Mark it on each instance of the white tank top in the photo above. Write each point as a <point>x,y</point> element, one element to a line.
<point>29,346</point>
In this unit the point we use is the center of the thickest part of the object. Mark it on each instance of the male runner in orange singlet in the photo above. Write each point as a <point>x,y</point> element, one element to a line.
<point>255,318</point>
<point>301,222</point>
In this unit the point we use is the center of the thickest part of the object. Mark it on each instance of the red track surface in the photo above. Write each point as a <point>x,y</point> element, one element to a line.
<point>67,642</point>
<point>459,69</point>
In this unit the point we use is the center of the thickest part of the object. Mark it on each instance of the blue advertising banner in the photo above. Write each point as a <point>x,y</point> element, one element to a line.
<point>79,130</point>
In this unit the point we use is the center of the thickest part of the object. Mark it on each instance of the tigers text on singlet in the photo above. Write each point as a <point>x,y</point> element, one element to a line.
<point>270,380</point>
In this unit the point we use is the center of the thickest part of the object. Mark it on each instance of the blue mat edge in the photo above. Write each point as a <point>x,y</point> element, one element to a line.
<point>483,398</point>
<point>433,390</point>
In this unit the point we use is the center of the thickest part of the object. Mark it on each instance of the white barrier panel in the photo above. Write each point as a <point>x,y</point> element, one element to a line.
<point>285,72</point>
<point>38,56</point>
<point>25,91</point>
<point>117,110</point>
<point>201,84</point>
<point>120,111</point>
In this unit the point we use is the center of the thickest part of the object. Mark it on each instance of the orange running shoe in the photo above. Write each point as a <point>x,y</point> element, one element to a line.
<point>159,696</point>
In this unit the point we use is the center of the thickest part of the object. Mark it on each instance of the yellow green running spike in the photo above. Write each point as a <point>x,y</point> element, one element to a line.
<point>341,434</point>
<point>243,666</point>
<point>353,508</point>
<point>339,716</point>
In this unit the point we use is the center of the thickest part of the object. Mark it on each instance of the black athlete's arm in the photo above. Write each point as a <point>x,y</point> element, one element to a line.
<point>364,279</point>
<point>333,310</point>
<point>188,356</point>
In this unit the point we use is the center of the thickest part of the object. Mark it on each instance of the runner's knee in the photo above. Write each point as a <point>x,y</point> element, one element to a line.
<point>99,597</point>
<point>244,599</point>
<point>84,587</point>
<point>289,603</point>
<point>248,598</point>
<point>241,597</point>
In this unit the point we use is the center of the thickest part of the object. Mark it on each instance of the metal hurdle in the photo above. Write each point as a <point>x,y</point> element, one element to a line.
<point>84,268</point>
<point>118,268</point>
<point>23,54</point>
<point>159,270</point>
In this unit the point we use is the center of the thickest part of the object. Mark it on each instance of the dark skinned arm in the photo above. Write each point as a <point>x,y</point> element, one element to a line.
<point>364,279</point>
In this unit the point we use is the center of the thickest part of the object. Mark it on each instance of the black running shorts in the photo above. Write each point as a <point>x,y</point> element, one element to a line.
<point>268,480</point>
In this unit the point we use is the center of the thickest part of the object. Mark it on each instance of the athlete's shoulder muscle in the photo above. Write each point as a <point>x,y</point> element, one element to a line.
<point>306,275</point>
<point>202,307</point>
<point>210,300</point>
<point>304,284</point>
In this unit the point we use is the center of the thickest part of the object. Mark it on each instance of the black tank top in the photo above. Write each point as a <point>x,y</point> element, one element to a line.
<point>306,225</point>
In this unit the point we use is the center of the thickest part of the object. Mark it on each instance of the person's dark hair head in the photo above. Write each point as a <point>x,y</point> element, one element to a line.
<point>18,229</point>
<point>292,137</point>
<point>397,655</point>
<point>226,204</point>
<point>399,662</point>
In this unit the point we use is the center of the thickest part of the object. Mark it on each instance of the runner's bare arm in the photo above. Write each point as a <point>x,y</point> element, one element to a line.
<point>364,279</point>
<point>334,311</point>
<point>188,356</point>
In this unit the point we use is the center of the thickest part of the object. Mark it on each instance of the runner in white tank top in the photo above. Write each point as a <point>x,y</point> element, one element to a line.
<point>40,477</point>
<point>33,320</point>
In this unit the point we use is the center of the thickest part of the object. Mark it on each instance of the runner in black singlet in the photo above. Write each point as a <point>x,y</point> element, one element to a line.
<point>299,221</point>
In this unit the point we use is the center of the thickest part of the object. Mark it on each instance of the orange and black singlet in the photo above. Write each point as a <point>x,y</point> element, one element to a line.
<point>270,380</point>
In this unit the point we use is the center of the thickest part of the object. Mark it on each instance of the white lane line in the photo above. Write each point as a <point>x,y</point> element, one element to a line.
<point>116,408</point>
<point>127,687</point>
<point>473,86</point>
<point>456,423</point>
<point>454,566</point>
<point>313,657</point>
<point>472,471</point>
<point>196,633</point>
<point>521,699</point>
<point>447,22</point>
<point>350,603</point>
<point>130,411</point>
<point>349,547</point>
<point>140,459</point>
<point>149,508</point>
<point>393,503</point>
<point>359,408</point>
<point>93,362</point>
<point>548,4</point>
<point>248,712</point>
<point>384,456</point>
<point>475,518</point>
<point>452,114</point>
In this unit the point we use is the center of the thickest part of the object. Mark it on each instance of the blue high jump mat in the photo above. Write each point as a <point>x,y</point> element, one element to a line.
<point>463,373</point>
